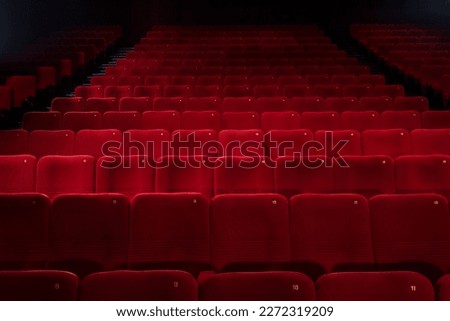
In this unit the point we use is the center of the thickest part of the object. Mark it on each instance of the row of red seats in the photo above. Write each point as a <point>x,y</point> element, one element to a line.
<point>50,61</point>
<point>213,120</point>
<point>173,285</point>
<point>333,90</point>
<point>311,233</point>
<point>231,80</point>
<point>366,175</point>
<point>240,104</point>
<point>273,143</point>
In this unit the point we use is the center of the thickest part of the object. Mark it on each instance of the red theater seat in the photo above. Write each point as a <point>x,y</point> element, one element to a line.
<point>267,91</point>
<point>66,104</point>
<point>360,120</point>
<point>169,103</point>
<point>77,121</point>
<point>430,141</point>
<point>366,175</point>
<point>341,104</point>
<point>162,285</point>
<point>390,142</point>
<point>89,91</point>
<point>417,103</point>
<point>23,87</point>
<point>23,232</point>
<point>95,142</point>
<point>278,103</point>
<point>121,120</point>
<point>209,103</point>
<point>249,232</point>
<point>326,120</point>
<point>50,120</point>
<point>411,232</point>
<point>361,90</point>
<point>184,174</point>
<point>257,286</point>
<point>13,142</point>
<point>151,143</point>
<point>392,91</point>
<point>286,142</point>
<point>374,286</point>
<point>243,175</point>
<point>378,104</point>
<point>240,120</point>
<point>423,174</point>
<point>407,119</point>
<point>200,120</point>
<point>178,91</point>
<point>443,288</point>
<point>330,233</point>
<point>104,80</point>
<point>118,91</point>
<point>168,120</point>
<point>280,120</point>
<point>242,142</point>
<point>65,174</point>
<point>169,231</point>
<point>330,139</point>
<point>147,91</point>
<point>51,142</point>
<point>292,91</point>
<point>18,174</point>
<point>237,91</point>
<point>128,175</point>
<point>101,104</point>
<point>238,104</point>
<point>136,104</point>
<point>38,286</point>
<point>88,233</point>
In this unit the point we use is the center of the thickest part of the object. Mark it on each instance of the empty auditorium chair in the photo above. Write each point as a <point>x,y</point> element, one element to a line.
<point>104,80</point>
<point>318,79</point>
<point>307,104</point>
<point>6,97</point>
<point>236,104</point>
<point>169,103</point>
<point>257,286</point>
<point>378,104</point>
<point>147,91</point>
<point>157,80</point>
<point>88,233</point>
<point>210,103</point>
<point>50,120</point>
<point>23,232</point>
<point>18,173</point>
<point>128,175</point>
<point>291,91</point>
<point>341,104</point>
<point>436,119</point>
<point>152,143</point>
<point>443,288</point>
<point>208,91</point>
<point>423,174</point>
<point>129,80</point>
<point>267,91</point>
<point>101,104</point>
<point>390,142</point>
<point>280,120</point>
<point>78,120</point>
<point>200,120</point>
<point>372,79</point>
<point>361,90</point>
<point>286,142</point>
<point>326,120</point>
<point>65,104</point>
<point>136,104</point>
<point>264,80</point>
<point>239,174</point>
<point>237,91</point>
<point>411,232</point>
<point>38,285</point>
<point>278,103</point>
<point>169,231</point>
<point>122,120</point>
<point>51,142</point>
<point>392,91</point>
<point>168,120</point>
<point>249,232</point>
<point>430,141</point>
<point>118,91</point>
<point>23,87</point>
<point>405,119</point>
<point>374,286</point>
<point>97,143</point>
<point>209,79</point>
<point>366,175</point>
<point>330,233</point>
<point>13,142</point>
<point>344,79</point>
<point>300,174</point>
<point>241,142</point>
<point>326,91</point>
<point>184,174</point>
<point>360,120</point>
<point>177,91</point>
<point>285,79</point>
<point>417,103</point>
<point>65,174</point>
<point>240,120</point>
<point>164,285</point>
<point>89,91</point>
<point>183,80</point>
<point>236,80</point>
<point>331,139</point>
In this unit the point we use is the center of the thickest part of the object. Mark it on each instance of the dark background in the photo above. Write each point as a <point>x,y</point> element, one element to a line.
<point>22,21</point>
